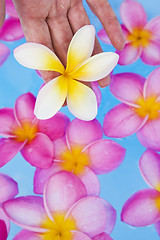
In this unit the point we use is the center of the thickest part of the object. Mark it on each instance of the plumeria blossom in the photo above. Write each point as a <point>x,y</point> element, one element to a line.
<point>23,132</point>
<point>84,153</point>
<point>81,99</point>
<point>64,213</point>
<point>143,208</point>
<point>142,37</point>
<point>8,190</point>
<point>4,53</point>
<point>140,108</point>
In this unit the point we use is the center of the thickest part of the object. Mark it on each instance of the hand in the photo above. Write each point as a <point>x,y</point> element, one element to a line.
<point>54,22</point>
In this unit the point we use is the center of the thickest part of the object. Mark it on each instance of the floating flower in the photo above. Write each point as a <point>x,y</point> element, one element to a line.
<point>142,38</point>
<point>84,153</point>
<point>140,110</point>
<point>65,212</point>
<point>8,190</point>
<point>81,100</point>
<point>4,53</point>
<point>143,208</point>
<point>25,133</point>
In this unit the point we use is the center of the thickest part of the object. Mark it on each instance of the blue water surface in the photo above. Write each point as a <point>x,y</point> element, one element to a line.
<point>117,186</point>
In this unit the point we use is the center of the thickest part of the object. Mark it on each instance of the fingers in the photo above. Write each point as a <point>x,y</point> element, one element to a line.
<point>2,12</point>
<point>78,17</point>
<point>104,12</point>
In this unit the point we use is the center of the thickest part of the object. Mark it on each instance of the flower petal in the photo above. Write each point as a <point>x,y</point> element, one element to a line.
<point>8,188</point>
<point>38,56</point>
<point>103,36</point>
<point>24,107</point>
<point>151,54</point>
<point>90,181</point>
<point>10,9</point>
<point>39,152</point>
<point>97,92</point>
<point>8,149</point>
<point>51,98</point>
<point>150,168</point>
<point>149,136</point>
<point>127,87</point>
<point>81,47</point>
<point>60,147</point>
<point>3,230</point>
<point>81,101</point>
<point>17,208</point>
<point>7,122</point>
<point>105,156</point>
<point>129,54</point>
<point>54,127</point>
<point>140,209</point>
<point>94,215</point>
<point>11,30</point>
<point>79,236</point>
<point>122,121</point>
<point>27,235</point>
<point>62,191</point>
<point>96,67</point>
<point>41,176</point>
<point>4,221</point>
<point>151,86</point>
<point>83,133</point>
<point>154,27</point>
<point>4,53</point>
<point>102,236</point>
<point>157,226</point>
<point>133,15</point>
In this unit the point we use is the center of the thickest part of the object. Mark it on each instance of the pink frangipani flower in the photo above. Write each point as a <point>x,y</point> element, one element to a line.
<point>8,190</point>
<point>25,133</point>
<point>64,213</point>
<point>140,108</point>
<point>84,153</point>
<point>142,37</point>
<point>143,208</point>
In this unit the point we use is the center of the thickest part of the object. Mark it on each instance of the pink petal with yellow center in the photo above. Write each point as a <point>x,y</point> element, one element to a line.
<point>11,30</point>
<point>157,226</point>
<point>149,134</point>
<point>97,92</point>
<point>150,168</point>
<point>154,27</point>
<point>151,54</point>
<point>8,149</point>
<point>91,182</point>
<point>24,107</point>
<point>102,236</point>
<point>54,127</point>
<point>122,121</point>
<point>62,191</point>
<point>133,15</point>
<point>129,54</point>
<point>41,176</point>
<point>7,122</point>
<point>83,133</point>
<point>39,152</point>
<point>27,235</point>
<point>105,156</point>
<point>152,87</point>
<point>94,215</point>
<point>142,208</point>
<point>127,87</point>
<point>8,188</point>
<point>4,53</point>
<point>61,146</point>
<point>4,221</point>
<point>10,9</point>
<point>17,208</point>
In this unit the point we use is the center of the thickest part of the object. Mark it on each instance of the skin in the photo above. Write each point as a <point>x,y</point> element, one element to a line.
<point>54,22</point>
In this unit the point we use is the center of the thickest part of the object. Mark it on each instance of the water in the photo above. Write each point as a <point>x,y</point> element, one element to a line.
<point>117,186</point>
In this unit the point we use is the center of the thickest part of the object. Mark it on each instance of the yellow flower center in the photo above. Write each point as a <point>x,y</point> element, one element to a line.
<point>158,202</point>
<point>140,37</point>
<point>75,160</point>
<point>149,106</point>
<point>27,131</point>
<point>60,229</point>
